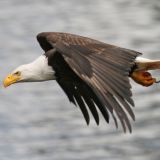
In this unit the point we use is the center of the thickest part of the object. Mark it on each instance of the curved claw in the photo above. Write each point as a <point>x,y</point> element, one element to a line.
<point>157,81</point>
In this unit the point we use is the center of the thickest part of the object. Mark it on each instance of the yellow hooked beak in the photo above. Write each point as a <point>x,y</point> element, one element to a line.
<point>10,79</point>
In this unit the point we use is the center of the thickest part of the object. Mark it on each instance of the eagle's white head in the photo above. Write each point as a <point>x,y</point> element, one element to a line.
<point>38,70</point>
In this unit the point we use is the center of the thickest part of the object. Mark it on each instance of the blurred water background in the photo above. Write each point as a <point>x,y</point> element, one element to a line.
<point>37,122</point>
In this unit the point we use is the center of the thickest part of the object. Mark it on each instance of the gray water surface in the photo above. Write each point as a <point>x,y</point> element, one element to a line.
<point>37,122</point>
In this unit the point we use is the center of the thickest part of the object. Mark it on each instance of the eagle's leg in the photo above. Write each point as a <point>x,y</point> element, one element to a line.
<point>143,77</point>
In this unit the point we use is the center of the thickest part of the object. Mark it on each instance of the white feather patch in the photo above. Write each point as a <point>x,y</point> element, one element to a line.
<point>38,70</point>
<point>141,59</point>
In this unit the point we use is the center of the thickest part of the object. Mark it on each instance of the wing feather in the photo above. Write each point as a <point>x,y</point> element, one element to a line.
<point>105,70</point>
<point>82,106</point>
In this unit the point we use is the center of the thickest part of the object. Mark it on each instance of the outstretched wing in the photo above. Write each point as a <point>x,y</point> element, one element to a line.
<point>102,67</point>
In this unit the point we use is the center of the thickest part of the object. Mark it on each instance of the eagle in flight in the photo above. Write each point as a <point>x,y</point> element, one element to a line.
<point>94,75</point>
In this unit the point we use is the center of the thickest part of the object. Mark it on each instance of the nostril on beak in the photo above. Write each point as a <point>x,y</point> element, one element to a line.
<point>9,77</point>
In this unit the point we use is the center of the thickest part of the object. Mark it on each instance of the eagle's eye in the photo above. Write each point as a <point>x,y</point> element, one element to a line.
<point>17,73</point>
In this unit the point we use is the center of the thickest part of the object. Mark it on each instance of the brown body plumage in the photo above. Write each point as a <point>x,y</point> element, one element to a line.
<point>99,74</point>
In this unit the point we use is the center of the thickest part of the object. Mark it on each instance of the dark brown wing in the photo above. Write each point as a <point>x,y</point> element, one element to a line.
<point>104,68</point>
<point>77,91</point>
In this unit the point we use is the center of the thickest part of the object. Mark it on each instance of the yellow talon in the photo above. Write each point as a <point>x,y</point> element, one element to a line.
<point>142,77</point>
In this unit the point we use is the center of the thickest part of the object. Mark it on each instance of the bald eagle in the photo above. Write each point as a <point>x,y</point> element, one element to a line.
<point>94,75</point>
